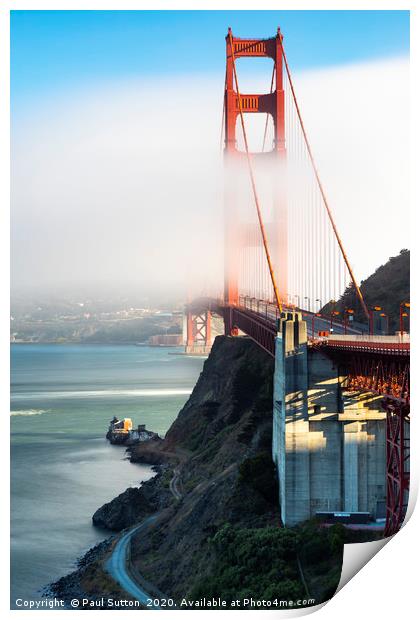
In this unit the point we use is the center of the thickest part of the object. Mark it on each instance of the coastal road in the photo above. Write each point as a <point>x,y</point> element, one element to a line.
<point>173,485</point>
<point>117,565</point>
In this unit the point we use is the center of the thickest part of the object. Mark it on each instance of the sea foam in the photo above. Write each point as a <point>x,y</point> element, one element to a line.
<point>101,394</point>
<point>29,412</point>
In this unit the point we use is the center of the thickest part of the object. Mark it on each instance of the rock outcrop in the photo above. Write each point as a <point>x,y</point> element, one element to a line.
<point>133,505</point>
<point>221,441</point>
<point>215,497</point>
<point>226,420</point>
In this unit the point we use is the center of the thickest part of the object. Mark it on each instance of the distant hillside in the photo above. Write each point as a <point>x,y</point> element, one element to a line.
<point>387,287</point>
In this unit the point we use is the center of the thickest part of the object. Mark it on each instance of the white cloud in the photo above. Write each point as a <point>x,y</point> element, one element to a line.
<point>358,121</point>
<point>123,182</point>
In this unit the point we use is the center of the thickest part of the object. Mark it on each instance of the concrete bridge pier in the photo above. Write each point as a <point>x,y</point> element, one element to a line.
<point>328,445</point>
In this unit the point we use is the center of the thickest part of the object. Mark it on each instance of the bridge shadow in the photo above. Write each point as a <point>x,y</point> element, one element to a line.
<point>334,440</point>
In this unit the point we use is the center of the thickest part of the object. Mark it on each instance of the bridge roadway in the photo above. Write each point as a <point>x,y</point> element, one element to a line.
<point>375,364</point>
<point>258,319</point>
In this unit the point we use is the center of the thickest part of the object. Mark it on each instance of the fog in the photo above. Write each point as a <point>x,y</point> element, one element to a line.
<point>121,183</point>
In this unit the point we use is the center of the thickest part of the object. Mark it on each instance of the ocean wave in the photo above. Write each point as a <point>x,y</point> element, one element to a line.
<point>102,393</point>
<point>29,412</point>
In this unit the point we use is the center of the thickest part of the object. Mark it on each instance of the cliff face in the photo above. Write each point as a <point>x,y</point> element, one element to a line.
<point>133,505</point>
<point>217,530</point>
<point>224,425</point>
<point>221,444</point>
<point>223,536</point>
<point>228,416</point>
<point>214,468</point>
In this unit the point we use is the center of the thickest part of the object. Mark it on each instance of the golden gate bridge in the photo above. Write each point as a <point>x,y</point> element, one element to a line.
<point>285,259</point>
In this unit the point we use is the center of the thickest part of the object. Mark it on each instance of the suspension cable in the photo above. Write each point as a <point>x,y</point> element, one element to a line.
<point>321,188</point>
<point>254,188</point>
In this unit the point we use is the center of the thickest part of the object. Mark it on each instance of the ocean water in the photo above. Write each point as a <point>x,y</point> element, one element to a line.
<point>62,468</point>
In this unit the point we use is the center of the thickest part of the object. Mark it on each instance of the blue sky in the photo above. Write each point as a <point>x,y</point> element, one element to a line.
<point>96,140</point>
<point>60,50</point>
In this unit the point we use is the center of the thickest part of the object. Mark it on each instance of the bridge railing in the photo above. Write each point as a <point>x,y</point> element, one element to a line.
<point>269,310</point>
<point>379,345</point>
<point>397,338</point>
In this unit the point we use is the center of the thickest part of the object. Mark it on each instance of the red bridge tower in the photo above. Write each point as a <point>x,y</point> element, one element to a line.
<point>271,103</point>
<point>198,337</point>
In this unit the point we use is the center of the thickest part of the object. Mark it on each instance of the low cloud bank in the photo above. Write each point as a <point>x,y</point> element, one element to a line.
<point>123,182</point>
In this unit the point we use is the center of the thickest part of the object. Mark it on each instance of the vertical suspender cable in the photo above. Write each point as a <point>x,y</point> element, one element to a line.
<point>316,236</point>
<point>254,188</point>
<point>305,202</point>
<point>331,260</point>
<point>325,225</point>
<point>223,114</point>
<point>267,115</point>
<point>336,271</point>
<point>324,198</point>
<point>313,257</point>
<point>320,236</point>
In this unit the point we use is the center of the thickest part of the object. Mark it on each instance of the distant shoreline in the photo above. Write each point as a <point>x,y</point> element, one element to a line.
<point>116,343</point>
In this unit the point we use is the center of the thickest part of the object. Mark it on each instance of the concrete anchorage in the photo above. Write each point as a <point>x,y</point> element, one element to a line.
<point>328,444</point>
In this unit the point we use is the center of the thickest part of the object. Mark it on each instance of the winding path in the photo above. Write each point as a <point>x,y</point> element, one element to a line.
<point>119,561</point>
<point>173,485</point>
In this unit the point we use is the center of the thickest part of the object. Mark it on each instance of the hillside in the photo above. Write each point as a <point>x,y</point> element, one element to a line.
<point>224,538</point>
<point>217,530</point>
<point>387,287</point>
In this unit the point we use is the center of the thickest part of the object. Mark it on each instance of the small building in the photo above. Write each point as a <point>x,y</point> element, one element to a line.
<point>119,430</point>
<point>122,432</point>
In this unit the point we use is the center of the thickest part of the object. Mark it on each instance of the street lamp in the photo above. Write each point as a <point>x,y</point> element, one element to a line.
<point>332,310</point>
<point>309,303</point>
<point>333,313</point>
<point>383,315</point>
<point>348,315</point>
<point>403,313</point>
<point>320,304</point>
<point>371,311</point>
<point>313,323</point>
<point>298,298</point>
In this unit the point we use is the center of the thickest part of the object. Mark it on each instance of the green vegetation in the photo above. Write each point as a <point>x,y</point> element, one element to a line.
<point>166,477</point>
<point>263,563</point>
<point>137,330</point>
<point>259,473</point>
<point>387,287</point>
<point>93,330</point>
<point>321,555</point>
<point>251,389</point>
<point>258,563</point>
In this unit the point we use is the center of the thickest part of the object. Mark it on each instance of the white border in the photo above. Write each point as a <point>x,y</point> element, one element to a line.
<point>386,586</point>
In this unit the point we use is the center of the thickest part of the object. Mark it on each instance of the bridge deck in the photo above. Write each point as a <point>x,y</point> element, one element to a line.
<point>258,319</point>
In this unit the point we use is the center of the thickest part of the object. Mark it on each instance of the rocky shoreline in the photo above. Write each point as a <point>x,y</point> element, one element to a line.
<point>215,495</point>
<point>134,504</point>
<point>232,394</point>
<point>130,507</point>
<point>71,586</point>
<point>87,581</point>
